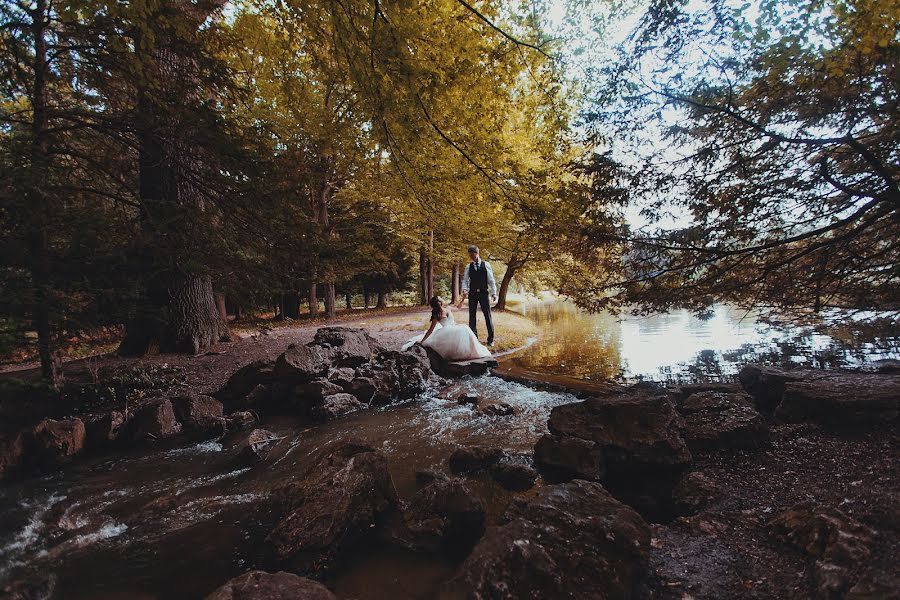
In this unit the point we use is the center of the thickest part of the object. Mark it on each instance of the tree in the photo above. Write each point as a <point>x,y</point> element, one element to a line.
<point>774,181</point>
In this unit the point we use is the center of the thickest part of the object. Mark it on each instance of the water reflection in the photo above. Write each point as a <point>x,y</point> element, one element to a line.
<point>679,346</point>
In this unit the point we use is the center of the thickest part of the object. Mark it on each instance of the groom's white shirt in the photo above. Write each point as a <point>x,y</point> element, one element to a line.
<point>492,283</point>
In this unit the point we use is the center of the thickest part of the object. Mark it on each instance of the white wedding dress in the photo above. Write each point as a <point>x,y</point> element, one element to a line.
<point>453,342</point>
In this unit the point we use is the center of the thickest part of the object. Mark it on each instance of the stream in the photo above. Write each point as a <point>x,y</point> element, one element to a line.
<point>178,521</point>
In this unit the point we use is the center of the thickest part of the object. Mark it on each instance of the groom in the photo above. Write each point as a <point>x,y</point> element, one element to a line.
<point>477,281</point>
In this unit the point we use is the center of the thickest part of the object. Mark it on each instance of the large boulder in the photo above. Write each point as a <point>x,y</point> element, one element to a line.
<point>561,458</point>
<point>470,459</point>
<point>512,475</point>
<point>638,434</point>
<point>444,516</point>
<point>256,446</point>
<point>842,399</point>
<point>456,369</point>
<point>199,414</point>
<point>54,442</point>
<point>299,364</point>
<point>103,430</point>
<point>695,490</point>
<point>839,544</point>
<point>309,395</point>
<point>332,506</point>
<point>409,370</point>
<point>336,405</point>
<point>572,540</point>
<point>242,382</point>
<point>766,384</point>
<point>259,585</point>
<point>155,421</point>
<point>722,420</point>
<point>348,347</point>
<point>342,376</point>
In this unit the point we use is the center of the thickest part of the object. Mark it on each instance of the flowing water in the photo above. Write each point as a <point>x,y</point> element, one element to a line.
<point>176,522</point>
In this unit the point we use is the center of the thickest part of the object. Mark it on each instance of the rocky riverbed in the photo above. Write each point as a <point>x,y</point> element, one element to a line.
<point>340,467</point>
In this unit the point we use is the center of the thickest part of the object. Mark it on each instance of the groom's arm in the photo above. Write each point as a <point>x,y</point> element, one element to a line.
<point>492,283</point>
<point>465,285</point>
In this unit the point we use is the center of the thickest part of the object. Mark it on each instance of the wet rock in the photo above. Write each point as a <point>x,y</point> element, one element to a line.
<point>332,507</point>
<point>684,391</point>
<point>199,414</point>
<point>243,381</point>
<point>444,516</point>
<point>155,421</point>
<point>562,458</point>
<point>11,453</point>
<point>52,443</point>
<point>469,399</point>
<point>839,544</point>
<point>426,476</point>
<point>514,476</point>
<point>497,409</point>
<point>638,434</point>
<point>408,371</point>
<point>842,399</point>
<point>342,376</point>
<point>454,370</point>
<point>336,405</point>
<point>103,430</point>
<point>571,540</point>
<point>469,459</point>
<point>239,421</point>
<point>259,585</point>
<point>371,390</point>
<point>694,491</point>
<point>765,384</point>
<point>347,347</point>
<point>309,395</point>
<point>256,446</point>
<point>722,420</point>
<point>299,364</point>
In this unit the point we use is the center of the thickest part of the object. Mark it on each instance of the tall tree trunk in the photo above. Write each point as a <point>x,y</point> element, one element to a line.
<point>423,286</point>
<point>429,272</point>
<point>290,305</point>
<point>330,301</point>
<point>40,260</point>
<point>454,284</point>
<point>348,298</point>
<point>504,286</point>
<point>238,312</point>
<point>220,307</point>
<point>313,300</point>
<point>382,299</point>
<point>366,296</point>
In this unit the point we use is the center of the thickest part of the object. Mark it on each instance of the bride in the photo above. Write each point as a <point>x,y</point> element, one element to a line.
<point>453,342</point>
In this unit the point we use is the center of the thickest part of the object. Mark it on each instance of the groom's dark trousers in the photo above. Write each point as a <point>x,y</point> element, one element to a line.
<point>476,298</point>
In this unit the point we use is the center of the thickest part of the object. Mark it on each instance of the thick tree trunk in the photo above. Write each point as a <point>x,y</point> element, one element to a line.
<point>429,271</point>
<point>504,287</point>
<point>423,278</point>
<point>348,298</point>
<point>330,301</point>
<point>382,300</point>
<point>455,284</point>
<point>290,304</point>
<point>313,300</point>
<point>238,312</point>
<point>366,296</point>
<point>220,306</point>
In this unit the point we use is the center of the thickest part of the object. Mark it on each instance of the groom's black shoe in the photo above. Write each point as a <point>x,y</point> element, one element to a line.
<point>490,343</point>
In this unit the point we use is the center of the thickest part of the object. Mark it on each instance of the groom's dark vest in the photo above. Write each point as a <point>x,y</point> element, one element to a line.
<point>478,280</point>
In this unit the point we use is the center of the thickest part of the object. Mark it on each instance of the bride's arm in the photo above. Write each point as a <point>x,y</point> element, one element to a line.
<point>427,333</point>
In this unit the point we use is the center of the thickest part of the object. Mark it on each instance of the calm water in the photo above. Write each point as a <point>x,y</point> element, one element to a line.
<point>678,346</point>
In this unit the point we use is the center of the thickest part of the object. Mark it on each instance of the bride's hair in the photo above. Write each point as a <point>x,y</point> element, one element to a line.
<point>435,303</point>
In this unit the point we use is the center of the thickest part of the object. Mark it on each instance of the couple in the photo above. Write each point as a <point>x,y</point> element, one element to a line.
<point>458,342</point>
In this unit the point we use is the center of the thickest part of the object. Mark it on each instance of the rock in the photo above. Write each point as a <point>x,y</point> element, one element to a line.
<point>569,541</point>
<point>694,491</point>
<point>348,347</point>
<point>200,414</point>
<point>722,420</point>
<point>309,395</point>
<point>765,384</point>
<point>684,391</point>
<point>877,583</point>
<point>336,405</point>
<point>467,399</point>
<point>468,459</point>
<point>838,543</point>
<point>342,376</point>
<point>243,381</point>
<point>103,430</point>
<point>425,476</point>
<point>155,421</point>
<point>842,399</point>
<point>445,368</point>
<point>332,507</point>
<point>300,364</point>
<point>638,434</point>
<point>444,516</point>
<point>11,454</point>
<point>256,446</point>
<point>409,371</point>
<point>565,458</point>
<point>514,476</point>
<point>497,409</point>
<point>259,585</point>
<point>370,390</point>
<point>52,443</point>
<point>239,421</point>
